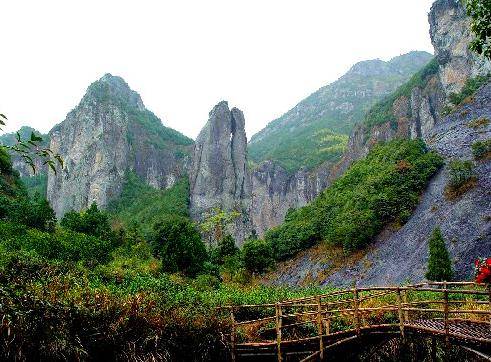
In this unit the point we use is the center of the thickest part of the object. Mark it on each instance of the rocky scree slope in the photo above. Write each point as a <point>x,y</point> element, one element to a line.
<point>108,134</point>
<point>399,256</point>
<point>412,111</point>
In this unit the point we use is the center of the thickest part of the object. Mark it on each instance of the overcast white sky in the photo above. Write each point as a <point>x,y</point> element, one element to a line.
<point>184,56</point>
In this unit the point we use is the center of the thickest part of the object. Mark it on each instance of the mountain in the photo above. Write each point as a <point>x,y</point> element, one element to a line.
<point>447,104</point>
<point>109,134</point>
<point>316,129</point>
<point>219,176</point>
<point>24,132</point>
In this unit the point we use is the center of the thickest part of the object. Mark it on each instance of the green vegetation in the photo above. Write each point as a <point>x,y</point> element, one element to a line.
<point>461,179</point>
<point>383,188</point>
<point>295,152</point>
<point>382,111</point>
<point>143,205</point>
<point>439,263</point>
<point>481,149</point>
<point>480,13</point>
<point>177,241</point>
<point>460,173</point>
<point>91,222</point>
<point>470,87</point>
<point>316,130</point>
<point>258,255</point>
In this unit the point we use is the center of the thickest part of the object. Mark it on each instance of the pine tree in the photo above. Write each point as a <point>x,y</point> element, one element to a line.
<point>439,263</point>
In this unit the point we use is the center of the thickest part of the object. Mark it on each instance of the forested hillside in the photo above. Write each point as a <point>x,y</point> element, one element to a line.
<point>316,129</point>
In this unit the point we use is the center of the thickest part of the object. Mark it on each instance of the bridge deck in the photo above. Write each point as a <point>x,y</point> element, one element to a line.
<point>307,327</point>
<point>462,329</point>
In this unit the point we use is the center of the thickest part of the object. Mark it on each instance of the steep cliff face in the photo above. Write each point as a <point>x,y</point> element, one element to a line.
<point>275,191</point>
<point>108,134</point>
<point>401,255</point>
<point>450,34</point>
<point>415,108</point>
<point>219,176</point>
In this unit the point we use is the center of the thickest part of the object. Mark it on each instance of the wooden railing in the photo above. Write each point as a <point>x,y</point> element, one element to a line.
<point>318,323</point>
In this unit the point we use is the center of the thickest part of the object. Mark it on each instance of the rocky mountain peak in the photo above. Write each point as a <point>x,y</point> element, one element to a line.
<point>369,67</point>
<point>109,134</point>
<point>114,89</point>
<point>219,176</point>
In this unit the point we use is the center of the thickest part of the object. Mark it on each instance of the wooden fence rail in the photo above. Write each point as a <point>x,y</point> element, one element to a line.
<point>339,317</point>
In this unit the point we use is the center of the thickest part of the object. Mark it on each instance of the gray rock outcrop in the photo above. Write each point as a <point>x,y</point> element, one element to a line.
<point>415,115</point>
<point>107,135</point>
<point>219,176</point>
<point>401,256</point>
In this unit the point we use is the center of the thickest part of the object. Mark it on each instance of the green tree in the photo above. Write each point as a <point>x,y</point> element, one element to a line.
<point>225,248</point>
<point>460,173</point>
<point>257,255</point>
<point>480,13</point>
<point>439,263</point>
<point>90,222</point>
<point>215,224</point>
<point>178,243</point>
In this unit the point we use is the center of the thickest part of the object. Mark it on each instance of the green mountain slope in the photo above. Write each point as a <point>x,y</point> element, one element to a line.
<point>316,129</point>
<point>142,205</point>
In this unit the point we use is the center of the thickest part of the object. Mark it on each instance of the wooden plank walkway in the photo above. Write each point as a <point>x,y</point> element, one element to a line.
<point>305,328</point>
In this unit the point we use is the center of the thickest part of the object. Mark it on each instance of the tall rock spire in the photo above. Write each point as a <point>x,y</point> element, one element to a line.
<point>219,176</point>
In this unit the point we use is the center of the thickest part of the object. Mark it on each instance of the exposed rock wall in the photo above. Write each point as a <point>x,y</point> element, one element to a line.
<point>219,176</point>
<point>417,115</point>
<point>107,135</point>
<point>400,256</point>
<point>275,191</point>
<point>450,35</point>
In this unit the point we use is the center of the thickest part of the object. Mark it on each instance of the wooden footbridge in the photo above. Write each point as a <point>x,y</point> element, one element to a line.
<point>312,328</point>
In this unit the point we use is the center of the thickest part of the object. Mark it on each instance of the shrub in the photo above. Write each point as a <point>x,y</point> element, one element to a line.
<point>91,222</point>
<point>178,243</point>
<point>226,247</point>
<point>257,255</point>
<point>470,87</point>
<point>380,189</point>
<point>460,172</point>
<point>481,149</point>
<point>439,264</point>
<point>22,210</point>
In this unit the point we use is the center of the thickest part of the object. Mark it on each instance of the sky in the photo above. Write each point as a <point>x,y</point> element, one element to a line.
<point>185,56</point>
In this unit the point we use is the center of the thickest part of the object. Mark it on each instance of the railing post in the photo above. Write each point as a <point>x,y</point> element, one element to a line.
<point>232,334</point>
<point>327,323</point>
<point>399,309</point>
<point>445,312</point>
<point>319,328</point>
<point>489,305</point>
<point>357,312</point>
<point>404,301</point>
<point>279,321</point>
